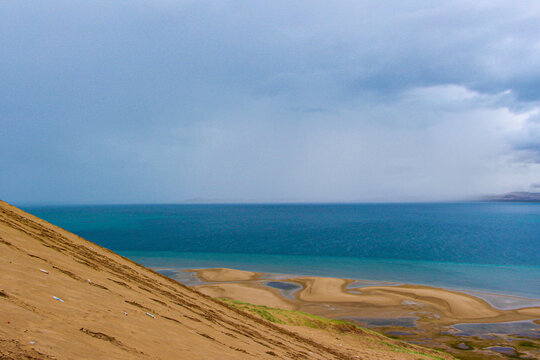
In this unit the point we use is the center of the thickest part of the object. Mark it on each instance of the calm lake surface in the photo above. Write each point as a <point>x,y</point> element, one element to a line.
<point>471,246</point>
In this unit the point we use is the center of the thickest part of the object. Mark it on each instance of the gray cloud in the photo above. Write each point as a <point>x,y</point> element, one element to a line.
<point>161,101</point>
<point>527,141</point>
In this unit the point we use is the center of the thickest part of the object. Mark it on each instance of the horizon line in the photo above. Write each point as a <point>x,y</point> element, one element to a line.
<point>77,204</point>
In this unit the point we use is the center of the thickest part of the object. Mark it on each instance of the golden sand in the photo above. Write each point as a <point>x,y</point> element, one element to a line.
<point>449,306</point>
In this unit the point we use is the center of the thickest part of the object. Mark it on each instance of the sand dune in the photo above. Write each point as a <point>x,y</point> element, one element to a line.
<point>62,297</point>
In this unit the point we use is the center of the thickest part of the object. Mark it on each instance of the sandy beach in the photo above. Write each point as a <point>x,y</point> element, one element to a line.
<point>432,311</point>
<point>450,306</point>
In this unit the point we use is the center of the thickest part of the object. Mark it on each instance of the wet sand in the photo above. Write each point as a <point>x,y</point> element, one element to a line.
<point>450,306</point>
<point>415,313</point>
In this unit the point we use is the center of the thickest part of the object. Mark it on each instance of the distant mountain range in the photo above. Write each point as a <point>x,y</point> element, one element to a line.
<point>515,196</point>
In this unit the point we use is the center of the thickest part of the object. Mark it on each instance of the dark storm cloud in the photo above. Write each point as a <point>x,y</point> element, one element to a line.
<point>528,140</point>
<point>136,101</point>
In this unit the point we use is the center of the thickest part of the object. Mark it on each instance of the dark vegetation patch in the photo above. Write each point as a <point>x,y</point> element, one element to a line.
<point>528,344</point>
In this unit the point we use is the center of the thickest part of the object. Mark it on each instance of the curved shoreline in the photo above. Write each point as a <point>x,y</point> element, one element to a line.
<point>418,314</point>
<point>511,280</point>
<point>336,297</point>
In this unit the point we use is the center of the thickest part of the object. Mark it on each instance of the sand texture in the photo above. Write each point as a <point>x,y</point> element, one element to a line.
<point>62,297</point>
<point>318,292</point>
<point>222,274</point>
<point>418,314</point>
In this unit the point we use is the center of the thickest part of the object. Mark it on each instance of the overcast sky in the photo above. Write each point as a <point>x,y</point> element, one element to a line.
<point>166,100</point>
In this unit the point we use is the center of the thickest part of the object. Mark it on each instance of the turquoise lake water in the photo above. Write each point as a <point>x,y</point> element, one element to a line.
<point>493,247</point>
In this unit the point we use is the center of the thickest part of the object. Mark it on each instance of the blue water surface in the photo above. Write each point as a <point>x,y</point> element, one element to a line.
<point>491,246</point>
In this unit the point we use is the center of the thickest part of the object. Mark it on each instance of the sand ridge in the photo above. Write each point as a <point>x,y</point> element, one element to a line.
<point>417,314</point>
<point>224,274</point>
<point>320,293</point>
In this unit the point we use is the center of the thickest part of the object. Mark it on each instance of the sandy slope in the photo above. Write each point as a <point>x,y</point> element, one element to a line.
<point>113,308</point>
<point>98,287</point>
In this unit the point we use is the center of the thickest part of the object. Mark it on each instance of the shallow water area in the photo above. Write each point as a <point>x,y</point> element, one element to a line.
<point>411,321</point>
<point>504,302</point>
<point>463,346</point>
<point>287,289</point>
<point>408,322</point>
<point>507,350</point>
<point>367,283</point>
<point>167,272</point>
<point>188,278</point>
<point>518,328</point>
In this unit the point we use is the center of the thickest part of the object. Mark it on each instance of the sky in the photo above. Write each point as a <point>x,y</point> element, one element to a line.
<point>267,101</point>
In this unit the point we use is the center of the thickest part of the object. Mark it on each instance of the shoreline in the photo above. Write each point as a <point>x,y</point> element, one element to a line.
<point>510,280</point>
<point>450,320</point>
<point>498,301</point>
<point>451,306</point>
